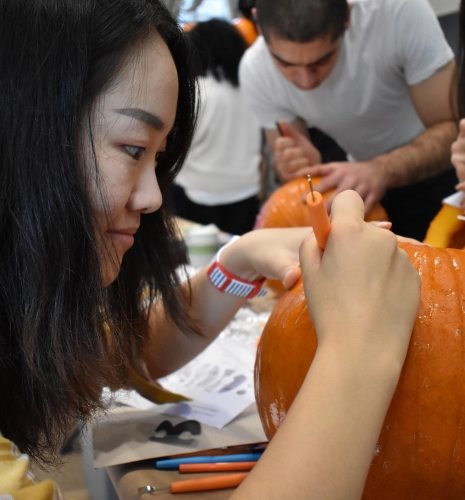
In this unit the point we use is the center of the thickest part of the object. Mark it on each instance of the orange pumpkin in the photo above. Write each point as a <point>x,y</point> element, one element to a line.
<point>446,230</point>
<point>286,208</point>
<point>421,448</point>
<point>247,29</point>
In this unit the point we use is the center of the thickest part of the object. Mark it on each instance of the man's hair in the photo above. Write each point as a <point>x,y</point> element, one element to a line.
<point>62,336</point>
<point>302,20</point>
<point>219,47</point>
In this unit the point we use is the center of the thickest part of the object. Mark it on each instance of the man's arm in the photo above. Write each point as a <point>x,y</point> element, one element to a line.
<point>294,153</point>
<point>427,155</point>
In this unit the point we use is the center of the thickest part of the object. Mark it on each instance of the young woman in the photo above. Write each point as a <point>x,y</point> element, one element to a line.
<point>97,110</point>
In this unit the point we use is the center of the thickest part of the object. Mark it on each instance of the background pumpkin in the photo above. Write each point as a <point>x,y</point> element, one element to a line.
<point>286,208</point>
<point>421,448</point>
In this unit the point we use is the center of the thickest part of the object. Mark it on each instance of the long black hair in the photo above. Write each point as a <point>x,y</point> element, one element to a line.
<point>62,336</point>
<point>219,48</point>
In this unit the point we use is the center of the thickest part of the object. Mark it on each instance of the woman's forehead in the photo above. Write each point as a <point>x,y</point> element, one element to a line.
<point>148,81</point>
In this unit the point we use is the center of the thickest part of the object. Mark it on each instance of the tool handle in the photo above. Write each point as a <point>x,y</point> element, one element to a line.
<point>219,467</point>
<point>319,218</point>
<point>208,483</point>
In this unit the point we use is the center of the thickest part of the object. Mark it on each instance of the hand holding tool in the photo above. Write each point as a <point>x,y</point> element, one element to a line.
<point>318,216</point>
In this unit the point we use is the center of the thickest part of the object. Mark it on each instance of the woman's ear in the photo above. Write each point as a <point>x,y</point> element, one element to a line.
<point>255,20</point>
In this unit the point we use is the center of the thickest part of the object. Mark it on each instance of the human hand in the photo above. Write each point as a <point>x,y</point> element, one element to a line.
<point>366,178</point>
<point>458,160</point>
<point>294,153</point>
<point>269,253</point>
<point>362,292</point>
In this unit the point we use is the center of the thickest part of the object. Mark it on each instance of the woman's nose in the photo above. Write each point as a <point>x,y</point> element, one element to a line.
<point>146,196</point>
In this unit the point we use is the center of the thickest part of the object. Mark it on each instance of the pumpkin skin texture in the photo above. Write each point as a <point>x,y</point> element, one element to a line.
<point>285,208</point>
<point>421,448</point>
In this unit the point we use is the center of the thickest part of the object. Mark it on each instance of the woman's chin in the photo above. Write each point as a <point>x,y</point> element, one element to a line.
<point>110,273</point>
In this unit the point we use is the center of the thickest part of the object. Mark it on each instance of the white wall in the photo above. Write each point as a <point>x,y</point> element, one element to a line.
<point>443,7</point>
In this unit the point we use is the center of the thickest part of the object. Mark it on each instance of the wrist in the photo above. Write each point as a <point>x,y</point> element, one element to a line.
<point>233,257</point>
<point>226,281</point>
<point>364,361</point>
<point>381,165</point>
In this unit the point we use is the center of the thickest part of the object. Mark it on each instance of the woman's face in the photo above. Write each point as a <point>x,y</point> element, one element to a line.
<point>130,124</point>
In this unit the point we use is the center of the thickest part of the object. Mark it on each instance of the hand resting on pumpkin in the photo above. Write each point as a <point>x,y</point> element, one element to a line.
<point>363,295</point>
<point>269,253</point>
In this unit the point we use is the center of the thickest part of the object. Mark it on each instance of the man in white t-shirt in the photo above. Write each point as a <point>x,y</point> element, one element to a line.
<point>374,75</point>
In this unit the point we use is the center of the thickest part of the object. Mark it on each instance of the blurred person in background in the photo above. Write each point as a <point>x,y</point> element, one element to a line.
<point>221,177</point>
<point>375,75</point>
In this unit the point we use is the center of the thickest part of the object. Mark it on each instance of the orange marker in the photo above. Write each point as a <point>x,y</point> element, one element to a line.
<point>208,483</point>
<point>318,216</point>
<point>216,467</point>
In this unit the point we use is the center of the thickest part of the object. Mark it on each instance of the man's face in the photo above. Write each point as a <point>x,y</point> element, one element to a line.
<point>306,64</point>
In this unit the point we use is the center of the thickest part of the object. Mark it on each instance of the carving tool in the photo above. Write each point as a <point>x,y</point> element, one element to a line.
<point>280,130</point>
<point>176,462</point>
<point>318,216</point>
<point>219,467</point>
<point>202,484</point>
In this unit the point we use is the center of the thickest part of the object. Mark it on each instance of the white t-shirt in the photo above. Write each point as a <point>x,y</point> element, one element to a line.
<point>364,103</point>
<point>222,166</point>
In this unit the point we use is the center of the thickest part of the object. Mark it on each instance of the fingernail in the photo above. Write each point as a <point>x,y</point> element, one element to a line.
<point>382,224</point>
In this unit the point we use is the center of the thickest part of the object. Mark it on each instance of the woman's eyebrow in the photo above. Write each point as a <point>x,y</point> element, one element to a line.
<point>143,116</point>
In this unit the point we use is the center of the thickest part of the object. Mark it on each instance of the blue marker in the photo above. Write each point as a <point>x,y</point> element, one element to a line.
<point>174,463</point>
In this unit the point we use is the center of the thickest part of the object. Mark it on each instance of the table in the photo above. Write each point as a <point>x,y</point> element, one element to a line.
<point>128,478</point>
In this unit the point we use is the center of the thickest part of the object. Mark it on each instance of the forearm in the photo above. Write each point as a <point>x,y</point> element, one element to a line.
<point>325,445</point>
<point>168,348</point>
<point>425,156</point>
<point>270,253</point>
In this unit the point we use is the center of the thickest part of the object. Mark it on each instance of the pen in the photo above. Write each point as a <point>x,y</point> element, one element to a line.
<point>318,216</point>
<point>216,467</point>
<point>280,130</point>
<point>202,484</point>
<point>176,462</point>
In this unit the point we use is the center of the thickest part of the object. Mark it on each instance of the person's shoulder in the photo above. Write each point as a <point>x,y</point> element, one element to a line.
<point>255,56</point>
<point>388,15</point>
<point>387,7</point>
<point>257,67</point>
<point>399,7</point>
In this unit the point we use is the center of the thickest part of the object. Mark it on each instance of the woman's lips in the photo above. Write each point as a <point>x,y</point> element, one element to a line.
<point>123,238</point>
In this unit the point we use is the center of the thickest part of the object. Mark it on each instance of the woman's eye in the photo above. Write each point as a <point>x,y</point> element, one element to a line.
<point>135,151</point>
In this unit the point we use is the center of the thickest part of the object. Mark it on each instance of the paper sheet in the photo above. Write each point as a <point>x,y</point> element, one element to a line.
<point>454,199</point>
<point>219,381</point>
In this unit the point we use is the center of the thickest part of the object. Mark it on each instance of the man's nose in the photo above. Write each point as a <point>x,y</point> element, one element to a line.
<point>306,78</point>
